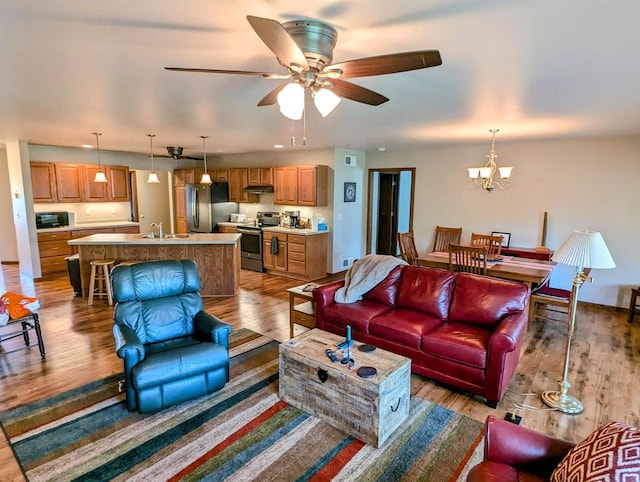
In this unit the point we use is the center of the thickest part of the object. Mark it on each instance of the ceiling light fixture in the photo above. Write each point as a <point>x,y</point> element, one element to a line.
<point>291,100</point>
<point>100,176</point>
<point>325,101</point>
<point>483,176</point>
<point>206,178</point>
<point>153,177</point>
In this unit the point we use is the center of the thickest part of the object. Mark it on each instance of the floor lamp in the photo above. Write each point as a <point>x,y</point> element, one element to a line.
<point>582,249</point>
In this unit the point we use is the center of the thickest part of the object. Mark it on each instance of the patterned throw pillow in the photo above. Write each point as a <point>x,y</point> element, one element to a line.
<point>611,453</point>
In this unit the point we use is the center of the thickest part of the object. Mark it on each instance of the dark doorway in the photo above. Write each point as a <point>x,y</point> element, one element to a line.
<point>387,212</point>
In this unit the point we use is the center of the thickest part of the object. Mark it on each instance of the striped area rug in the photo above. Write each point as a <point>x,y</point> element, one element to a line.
<point>243,432</point>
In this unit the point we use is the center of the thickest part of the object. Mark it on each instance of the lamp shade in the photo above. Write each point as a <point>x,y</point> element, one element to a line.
<point>325,101</point>
<point>100,177</point>
<point>291,101</point>
<point>153,178</point>
<point>584,249</point>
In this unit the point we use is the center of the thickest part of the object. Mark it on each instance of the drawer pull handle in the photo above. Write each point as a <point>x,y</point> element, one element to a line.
<point>397,405</point>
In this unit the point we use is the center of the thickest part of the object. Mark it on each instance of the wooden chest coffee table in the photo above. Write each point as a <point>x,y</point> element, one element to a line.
<point>370,409</point>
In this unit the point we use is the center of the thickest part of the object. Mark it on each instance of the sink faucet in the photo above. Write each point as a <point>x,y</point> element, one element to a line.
<point>159,228</point>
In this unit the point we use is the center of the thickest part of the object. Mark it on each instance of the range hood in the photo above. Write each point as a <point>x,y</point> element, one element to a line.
<point>258,189</point>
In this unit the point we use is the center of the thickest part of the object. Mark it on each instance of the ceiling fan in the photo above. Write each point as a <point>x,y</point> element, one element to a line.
<point>175,152</point>
<point>305,49</point>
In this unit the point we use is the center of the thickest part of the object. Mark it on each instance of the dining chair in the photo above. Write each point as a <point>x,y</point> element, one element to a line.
<point>492,243</point>
<point>551,301</point>
<point>468,259</point>
<point>408,250</point>
<point>445,236</point>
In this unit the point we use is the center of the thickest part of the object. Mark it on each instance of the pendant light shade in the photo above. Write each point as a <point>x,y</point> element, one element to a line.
<point>291,101</point>
<point>153,177</point>
<point>206,178</point>
<point>100,176</point>
<point>325,101</point>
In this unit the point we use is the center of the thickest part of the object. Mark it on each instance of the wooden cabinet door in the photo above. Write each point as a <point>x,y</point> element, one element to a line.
<point>180,209</point>
<point>69,182</point>
<point>118,185</point>
<point>285,185</point>
<point>254,176</point>
<point>220,175</point>
<point>266,176</point>
<point>43,182</point>
<point>278,261</point>
<point>313,185</point>
<point>183,176</point>
<point>238,180</point>
<point>93,191</point>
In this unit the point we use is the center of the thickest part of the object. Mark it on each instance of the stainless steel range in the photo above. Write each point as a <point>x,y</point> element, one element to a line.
<point>251,242</point>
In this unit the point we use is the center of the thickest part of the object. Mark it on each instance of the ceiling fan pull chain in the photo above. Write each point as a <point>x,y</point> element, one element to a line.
<point>304,127</point>
<point>293,133</point>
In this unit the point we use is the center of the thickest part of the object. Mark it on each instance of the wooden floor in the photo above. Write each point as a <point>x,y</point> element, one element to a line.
<point>605,367</point>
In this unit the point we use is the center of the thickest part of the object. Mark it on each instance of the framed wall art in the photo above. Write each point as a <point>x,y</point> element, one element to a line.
<point>349,192</point>
<point>506,238</point>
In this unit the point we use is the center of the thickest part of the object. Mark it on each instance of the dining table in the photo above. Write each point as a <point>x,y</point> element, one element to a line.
<point>530,271</point>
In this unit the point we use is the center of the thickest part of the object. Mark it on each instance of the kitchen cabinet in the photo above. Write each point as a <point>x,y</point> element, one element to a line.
<point>276,262</point>
<point>69,183</point>
<point>93,191</point>
<point>238,180</point>
<point>219,175</point>
<point>227,229</point>
<point>81,233</point>
<point>260,176</point>
<point>118,186</point>
<point>43,182</point>
<point>181,177</point>
<point>299,256</point>
<point>53,249</point>
<point>285,186</point>
<point>301,185</point>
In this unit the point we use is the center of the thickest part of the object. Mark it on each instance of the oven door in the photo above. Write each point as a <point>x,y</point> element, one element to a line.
<point>251,243</point>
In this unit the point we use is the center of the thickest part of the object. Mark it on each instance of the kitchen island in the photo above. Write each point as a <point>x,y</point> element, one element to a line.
<point>217,255</point>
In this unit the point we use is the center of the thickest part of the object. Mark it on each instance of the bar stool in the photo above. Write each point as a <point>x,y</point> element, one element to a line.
<point>633,304</point>
<point>100,274</point>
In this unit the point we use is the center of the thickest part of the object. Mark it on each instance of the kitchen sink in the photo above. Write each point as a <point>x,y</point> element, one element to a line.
<point>166,236</point>
<point>181,236</point>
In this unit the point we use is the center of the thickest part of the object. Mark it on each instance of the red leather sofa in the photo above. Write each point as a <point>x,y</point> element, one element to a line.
<point>460,329</point>
<point>515,454</point>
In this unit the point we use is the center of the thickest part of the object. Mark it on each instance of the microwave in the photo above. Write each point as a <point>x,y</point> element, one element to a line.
<point>52,220</point>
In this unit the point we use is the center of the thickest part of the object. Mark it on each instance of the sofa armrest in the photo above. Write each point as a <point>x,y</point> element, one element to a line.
<point>523,448</point>
<point>324,296</point>
<point>212,328</point>
<point>509,332</point>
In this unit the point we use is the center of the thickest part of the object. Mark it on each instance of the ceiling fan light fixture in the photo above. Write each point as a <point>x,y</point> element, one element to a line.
<point>325,101</point>
<point>291,101</point>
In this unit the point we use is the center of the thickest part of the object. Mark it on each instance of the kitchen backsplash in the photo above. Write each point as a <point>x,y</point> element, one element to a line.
<point>90,212</point>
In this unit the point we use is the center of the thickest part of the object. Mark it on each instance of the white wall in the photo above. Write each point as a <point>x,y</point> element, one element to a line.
<point>585,183</point>
<point>8,244</point>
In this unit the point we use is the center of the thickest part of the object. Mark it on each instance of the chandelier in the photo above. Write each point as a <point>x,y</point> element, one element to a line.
<point>483,176</point>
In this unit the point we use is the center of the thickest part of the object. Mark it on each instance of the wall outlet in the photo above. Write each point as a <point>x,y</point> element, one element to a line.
<point>113,210</point>
<point>346,262</point>
<point>87,210</point>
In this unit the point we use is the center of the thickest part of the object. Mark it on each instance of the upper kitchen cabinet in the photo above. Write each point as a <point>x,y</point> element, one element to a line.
<point>43,182</point>
<point>93,191</point>
<point>183,176</point>
<point>69,183</point>
<point>219,175</point>
<point>238,180</point>
<point>261,176</point>
<point>301,185</point>
<point>118,188</point>
<point>285,187</point>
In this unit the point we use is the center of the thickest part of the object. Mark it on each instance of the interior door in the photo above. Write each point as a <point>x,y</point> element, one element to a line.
<point>387,213</point>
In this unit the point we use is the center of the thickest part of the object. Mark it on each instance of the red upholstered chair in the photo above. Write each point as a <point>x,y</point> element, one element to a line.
<point>513,453</point>
<point>553,300</point>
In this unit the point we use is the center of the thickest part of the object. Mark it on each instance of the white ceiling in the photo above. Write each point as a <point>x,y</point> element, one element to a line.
<point>532,68</point>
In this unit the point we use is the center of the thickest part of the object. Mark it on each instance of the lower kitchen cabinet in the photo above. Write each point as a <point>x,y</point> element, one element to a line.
<point>299,256</point>
<point>53,251</point>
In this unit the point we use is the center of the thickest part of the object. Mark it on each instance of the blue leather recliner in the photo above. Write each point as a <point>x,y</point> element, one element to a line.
<point>173,351</point>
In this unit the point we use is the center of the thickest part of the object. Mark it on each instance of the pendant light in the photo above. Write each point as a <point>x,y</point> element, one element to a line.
<point>153,177</point>
<point>100,177</point>
<point>206,178</point>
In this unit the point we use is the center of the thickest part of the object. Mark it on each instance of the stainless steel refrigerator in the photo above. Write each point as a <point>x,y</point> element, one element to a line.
<point>207,205</point>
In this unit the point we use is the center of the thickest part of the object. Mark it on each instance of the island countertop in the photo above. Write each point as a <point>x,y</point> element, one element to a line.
<point>216,254</point>
<point>142,239</point>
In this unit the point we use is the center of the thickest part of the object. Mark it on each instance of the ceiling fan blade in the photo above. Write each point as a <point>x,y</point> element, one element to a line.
<point>272,97</point>
<point>269,75</point>
<point>355,92</point>
<point>275,36</point>
<point>387,64</point>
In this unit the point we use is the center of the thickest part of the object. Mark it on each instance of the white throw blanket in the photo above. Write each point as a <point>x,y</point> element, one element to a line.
<point>365,273</point>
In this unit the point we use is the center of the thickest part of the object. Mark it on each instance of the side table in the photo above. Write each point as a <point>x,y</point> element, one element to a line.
<point>27,324</point>
<point>302,313</point>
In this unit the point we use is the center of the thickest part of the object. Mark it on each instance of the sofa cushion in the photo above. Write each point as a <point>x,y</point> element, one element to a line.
<point>612,452</point>
<point>459,342</point>
<point>403,326</point>
<point>483,300</point>
<point>425,289</point>
<point>357,314</point>
<point>385,291</point>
